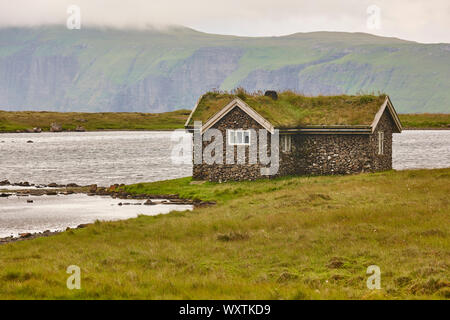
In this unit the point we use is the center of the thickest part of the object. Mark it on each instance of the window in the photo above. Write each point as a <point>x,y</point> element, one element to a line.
<point>286,143</point>
<point>380,142</point>
<point>239,137</point>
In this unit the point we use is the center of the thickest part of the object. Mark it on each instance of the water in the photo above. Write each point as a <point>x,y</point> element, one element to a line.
<point>415,149</point>
<point>106,158</point>
<point>85,158</point>
<point>56,213</point>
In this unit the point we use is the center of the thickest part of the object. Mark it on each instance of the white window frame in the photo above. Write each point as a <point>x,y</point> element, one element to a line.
<point>235,132</point>
<point>380,143</point>
<point>286,143</point>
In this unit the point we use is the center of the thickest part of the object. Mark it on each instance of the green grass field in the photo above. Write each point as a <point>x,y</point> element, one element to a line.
<point>287,238</point>
<point>426,120</point>
<point>12,121</point>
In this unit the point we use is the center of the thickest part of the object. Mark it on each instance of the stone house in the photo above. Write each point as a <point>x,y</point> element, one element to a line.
<point>321,135</point>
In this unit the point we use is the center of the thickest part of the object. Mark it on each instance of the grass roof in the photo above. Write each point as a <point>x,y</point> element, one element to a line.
<point>293,110</point>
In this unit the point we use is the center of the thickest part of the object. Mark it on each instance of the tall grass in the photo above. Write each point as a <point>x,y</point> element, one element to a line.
<point>287,238</point>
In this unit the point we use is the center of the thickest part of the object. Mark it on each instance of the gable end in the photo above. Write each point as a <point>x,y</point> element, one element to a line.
<point>387,105</point>
<point>245,108</point>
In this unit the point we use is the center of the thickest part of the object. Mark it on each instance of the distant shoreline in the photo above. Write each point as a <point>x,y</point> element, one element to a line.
<point>166,130</point>
<point>42,121</point>
<point>443,129</point>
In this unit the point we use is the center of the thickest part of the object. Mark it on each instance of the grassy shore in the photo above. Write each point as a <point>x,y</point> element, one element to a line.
<point>12,121</point>
<point>287,238</point>
<point>426,121</point>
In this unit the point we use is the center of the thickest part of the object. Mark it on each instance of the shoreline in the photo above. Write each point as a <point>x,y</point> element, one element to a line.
<point>113,191</point>
<point>430,129</point>
<point>97,130</point>
<point>166,130</point>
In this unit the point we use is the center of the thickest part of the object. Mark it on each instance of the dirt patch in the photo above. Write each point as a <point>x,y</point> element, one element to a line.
<point>336,263</point>
<point>232,236</point>
<point>287,276</point>
<point>433,233</point>
<point>319,196</point>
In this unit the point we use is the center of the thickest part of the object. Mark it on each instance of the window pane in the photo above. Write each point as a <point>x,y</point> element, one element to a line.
<point>380,142</point>
<point>232,137</point>
<point>247,137</point>
<point>239,137</point>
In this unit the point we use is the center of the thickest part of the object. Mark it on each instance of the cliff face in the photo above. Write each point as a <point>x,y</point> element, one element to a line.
<point>206,69</point>
<point>30,80</point>
<point>52,68</point>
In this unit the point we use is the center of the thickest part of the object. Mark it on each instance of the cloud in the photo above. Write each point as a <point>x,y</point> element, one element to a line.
<point>423,21</point>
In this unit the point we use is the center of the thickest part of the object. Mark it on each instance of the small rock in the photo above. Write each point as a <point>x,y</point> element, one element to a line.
<point>29,201</point>
<point>5,195</point>
<point>25,235</point>
<point>80,129</point>
<point>83,225</point>
<point>30,141</point>
<point>55,127</point>
<point>149,202</point>
<point>72,185</point>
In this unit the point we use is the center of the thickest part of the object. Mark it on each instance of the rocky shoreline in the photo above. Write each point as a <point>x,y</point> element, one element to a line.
<point>115,191</point>
<point>35,235</point>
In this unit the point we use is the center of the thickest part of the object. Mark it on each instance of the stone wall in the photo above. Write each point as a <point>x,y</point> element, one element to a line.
<point>311,154</point>
<point>382,162</point>
<point>235,119</point>
<point>319,154</point>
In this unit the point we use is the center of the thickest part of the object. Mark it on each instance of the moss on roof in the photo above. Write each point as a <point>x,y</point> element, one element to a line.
<point>293,110</point>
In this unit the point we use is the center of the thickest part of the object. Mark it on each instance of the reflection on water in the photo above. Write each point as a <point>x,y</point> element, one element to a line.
<point>59,212</point>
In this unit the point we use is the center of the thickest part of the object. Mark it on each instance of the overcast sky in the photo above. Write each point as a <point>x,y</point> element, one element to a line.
<point>419,20</point>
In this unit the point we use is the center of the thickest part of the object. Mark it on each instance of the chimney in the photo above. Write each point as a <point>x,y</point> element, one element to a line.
<point>271,93</point>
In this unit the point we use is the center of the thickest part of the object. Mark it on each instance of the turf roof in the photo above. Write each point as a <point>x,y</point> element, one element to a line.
<point>292,110</point>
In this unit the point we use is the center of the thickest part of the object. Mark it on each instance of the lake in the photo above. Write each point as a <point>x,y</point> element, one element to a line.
<point>128,157</point>
<point>56,213</point>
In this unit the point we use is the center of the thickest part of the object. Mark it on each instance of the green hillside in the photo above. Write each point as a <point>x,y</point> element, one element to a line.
<point>99,70</point>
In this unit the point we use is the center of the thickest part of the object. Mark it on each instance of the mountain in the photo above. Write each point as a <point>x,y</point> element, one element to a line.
<point>94,69</point>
